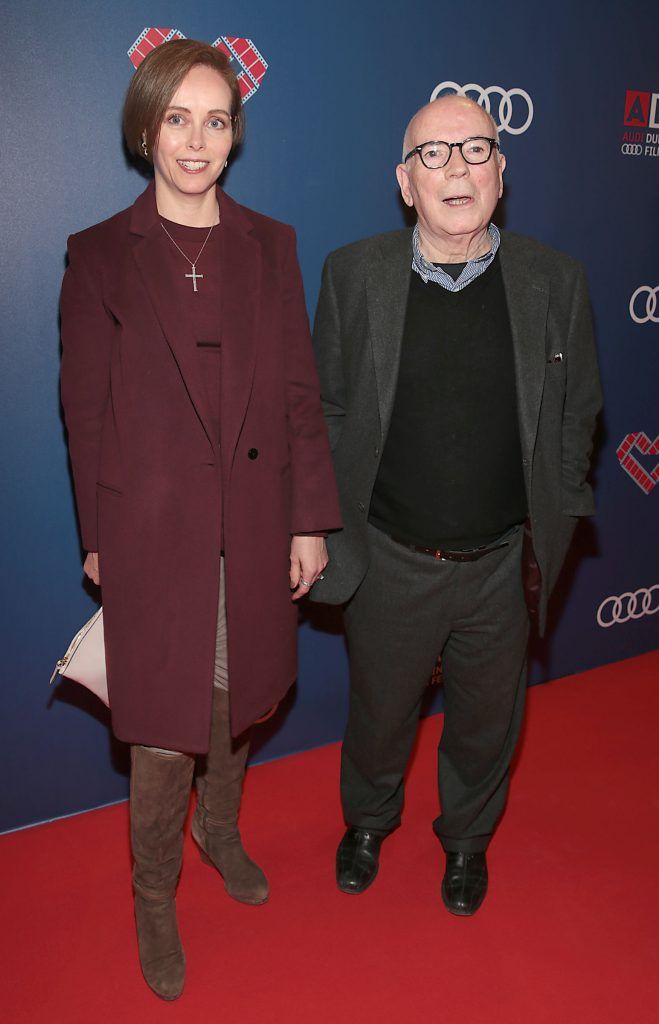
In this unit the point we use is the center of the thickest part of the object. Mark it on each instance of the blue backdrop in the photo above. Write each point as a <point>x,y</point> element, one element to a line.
<point>324,133</point>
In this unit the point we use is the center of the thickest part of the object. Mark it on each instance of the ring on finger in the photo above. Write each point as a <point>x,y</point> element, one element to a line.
<point>305,583</point>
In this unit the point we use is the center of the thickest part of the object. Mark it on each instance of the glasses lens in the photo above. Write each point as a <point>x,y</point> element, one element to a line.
<point>476,151</point>
<point>435,154</point>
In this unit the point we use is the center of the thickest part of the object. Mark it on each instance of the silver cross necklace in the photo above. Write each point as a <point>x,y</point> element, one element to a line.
<point>193,263</point>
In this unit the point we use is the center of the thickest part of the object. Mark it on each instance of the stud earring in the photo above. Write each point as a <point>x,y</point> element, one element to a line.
<point>144,149</point>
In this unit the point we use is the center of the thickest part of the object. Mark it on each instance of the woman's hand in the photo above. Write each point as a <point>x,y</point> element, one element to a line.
<point>308,559</point>
<point>91,567</point>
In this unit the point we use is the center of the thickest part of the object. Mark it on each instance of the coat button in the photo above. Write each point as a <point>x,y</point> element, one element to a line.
<point>360,506</point>
<point>253,453</point>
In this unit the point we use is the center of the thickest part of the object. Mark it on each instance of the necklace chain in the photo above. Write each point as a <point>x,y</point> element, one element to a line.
<point>192,263</point>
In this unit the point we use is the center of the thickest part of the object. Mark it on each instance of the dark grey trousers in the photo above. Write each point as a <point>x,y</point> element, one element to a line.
<point>409,608</point>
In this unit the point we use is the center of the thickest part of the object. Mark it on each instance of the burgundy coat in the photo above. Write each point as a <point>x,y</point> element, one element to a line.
<point>147,480</point>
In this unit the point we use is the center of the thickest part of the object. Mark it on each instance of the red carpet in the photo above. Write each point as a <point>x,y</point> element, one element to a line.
<point>567,934</point>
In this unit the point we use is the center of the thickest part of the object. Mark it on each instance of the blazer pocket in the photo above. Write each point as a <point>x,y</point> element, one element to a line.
<point>109,488</point>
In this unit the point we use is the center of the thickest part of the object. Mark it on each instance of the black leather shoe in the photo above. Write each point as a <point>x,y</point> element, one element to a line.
<point>357,859</point>
<point>465,882</point>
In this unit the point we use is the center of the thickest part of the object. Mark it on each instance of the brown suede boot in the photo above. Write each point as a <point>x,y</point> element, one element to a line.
<point>159,795</point>
<point>215,822</point>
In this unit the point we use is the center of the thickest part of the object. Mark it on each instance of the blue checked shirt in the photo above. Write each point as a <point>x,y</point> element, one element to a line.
<point>472,269</point>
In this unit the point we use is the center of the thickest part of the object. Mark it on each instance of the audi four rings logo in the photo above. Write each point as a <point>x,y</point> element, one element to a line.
<point>631,149</point>
<point>627,606</point>
<point>649,314</point>
<point>514,104</point>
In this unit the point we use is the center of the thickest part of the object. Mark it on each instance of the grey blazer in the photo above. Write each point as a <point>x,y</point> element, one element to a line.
<point>357,340</point>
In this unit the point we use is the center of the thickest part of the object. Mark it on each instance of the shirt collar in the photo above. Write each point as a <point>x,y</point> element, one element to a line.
<point>429,272</point>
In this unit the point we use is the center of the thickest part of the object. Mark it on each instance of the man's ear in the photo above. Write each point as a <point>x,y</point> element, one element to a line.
<point>502,167</point>
<point>403,179</point>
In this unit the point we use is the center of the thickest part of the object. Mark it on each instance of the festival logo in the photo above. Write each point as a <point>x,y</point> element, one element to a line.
<point>641,120</point>
<point>630,605</point>
<point>514,111</point>
<point>643,305</point>
<point>640,442</point>
<point>241,51</point>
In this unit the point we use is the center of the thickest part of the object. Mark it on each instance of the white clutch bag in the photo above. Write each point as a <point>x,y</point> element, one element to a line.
<point>84,661</point>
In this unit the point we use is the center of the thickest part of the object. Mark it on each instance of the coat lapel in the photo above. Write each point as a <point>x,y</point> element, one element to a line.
<point>527,295</point>
<point>387,287</point>
<point>241,287</point>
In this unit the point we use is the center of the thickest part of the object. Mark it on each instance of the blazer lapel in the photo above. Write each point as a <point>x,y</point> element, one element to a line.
<point>147,253</point>
<point>527,295</point>
<point>387,287</point>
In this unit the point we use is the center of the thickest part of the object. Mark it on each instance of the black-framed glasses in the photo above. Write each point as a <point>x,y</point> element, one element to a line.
<point>434,155</point>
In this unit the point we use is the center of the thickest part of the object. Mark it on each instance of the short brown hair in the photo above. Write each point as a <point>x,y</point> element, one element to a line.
<point>157,79</point>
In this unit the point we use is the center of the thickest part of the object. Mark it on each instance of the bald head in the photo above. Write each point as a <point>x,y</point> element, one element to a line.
<point>445,106</point>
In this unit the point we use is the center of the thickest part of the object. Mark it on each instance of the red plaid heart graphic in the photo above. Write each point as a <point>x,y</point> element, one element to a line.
<point>646,481</point>
<point>148,39</point>
<point>242,51</point>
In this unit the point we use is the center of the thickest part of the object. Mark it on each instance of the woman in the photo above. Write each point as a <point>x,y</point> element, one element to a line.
<point>202,475</point>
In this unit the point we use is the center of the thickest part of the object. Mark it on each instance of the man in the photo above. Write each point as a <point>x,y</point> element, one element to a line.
<point>460,388</point>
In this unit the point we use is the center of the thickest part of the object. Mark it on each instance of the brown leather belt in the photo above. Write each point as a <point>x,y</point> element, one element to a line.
<point>451,556</point>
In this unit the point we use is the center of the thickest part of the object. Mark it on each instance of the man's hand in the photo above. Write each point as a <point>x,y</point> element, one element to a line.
<point>91,567</point>
<point>308,559</point>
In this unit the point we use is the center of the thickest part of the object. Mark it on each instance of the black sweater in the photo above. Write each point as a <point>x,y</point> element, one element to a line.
<point>451,470</point>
